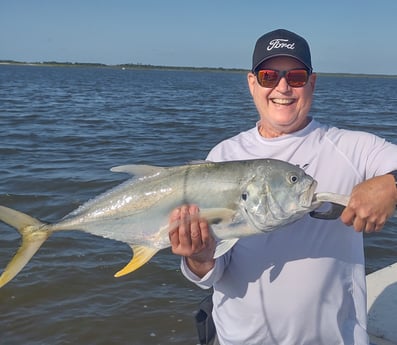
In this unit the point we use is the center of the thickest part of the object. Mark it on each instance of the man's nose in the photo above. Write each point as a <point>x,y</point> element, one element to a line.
<point>282,85</point>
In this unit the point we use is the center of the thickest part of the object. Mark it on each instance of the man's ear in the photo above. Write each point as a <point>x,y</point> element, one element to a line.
<point>312,80</point>
<point>251,78</point>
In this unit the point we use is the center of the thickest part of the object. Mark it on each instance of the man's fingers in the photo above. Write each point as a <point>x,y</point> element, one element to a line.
<point>189,234</point>
<point>360,224</point>
<point>184,227</point>
<point>175,215</point>
<point>347,216</point>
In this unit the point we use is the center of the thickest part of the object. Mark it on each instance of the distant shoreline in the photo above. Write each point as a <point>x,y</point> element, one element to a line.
<point>120,66</point>
<point>175,68</point>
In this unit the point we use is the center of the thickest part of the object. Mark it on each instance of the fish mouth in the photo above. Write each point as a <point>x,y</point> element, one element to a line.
<point>309,197</point>
<point>315,201</point>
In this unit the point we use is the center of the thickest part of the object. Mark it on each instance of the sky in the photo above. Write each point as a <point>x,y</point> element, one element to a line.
<point>349,36</point>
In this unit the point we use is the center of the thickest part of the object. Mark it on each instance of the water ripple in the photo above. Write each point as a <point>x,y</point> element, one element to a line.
<point>63,128</point>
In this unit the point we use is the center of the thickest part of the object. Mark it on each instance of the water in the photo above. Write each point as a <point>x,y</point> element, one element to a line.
<point>63,128</point>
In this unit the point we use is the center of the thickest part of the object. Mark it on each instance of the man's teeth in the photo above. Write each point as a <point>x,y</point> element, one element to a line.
<point>282,100</point>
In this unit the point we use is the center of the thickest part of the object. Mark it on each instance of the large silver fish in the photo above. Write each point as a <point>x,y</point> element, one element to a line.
<point>239,198</point>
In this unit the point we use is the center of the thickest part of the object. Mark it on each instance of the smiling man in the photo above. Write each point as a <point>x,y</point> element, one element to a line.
<point>303,284</point>
<point>281,83</point>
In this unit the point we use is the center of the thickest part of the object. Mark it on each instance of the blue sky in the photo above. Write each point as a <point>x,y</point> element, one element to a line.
<point>354,36</point>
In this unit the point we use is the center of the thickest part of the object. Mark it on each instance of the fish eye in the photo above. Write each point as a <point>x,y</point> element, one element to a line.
<point>293,179</point>
<point>244,196</point>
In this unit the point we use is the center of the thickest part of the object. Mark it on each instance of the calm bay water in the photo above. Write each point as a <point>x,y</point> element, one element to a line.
<point>63,128</point>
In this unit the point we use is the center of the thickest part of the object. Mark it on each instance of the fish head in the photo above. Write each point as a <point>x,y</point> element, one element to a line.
<point>276,194</point>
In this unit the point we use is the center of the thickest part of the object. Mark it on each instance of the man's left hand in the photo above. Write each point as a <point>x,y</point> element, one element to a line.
<point>371,204</point>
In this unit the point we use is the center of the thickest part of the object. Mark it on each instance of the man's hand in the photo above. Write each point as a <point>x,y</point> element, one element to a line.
<point>192,239</point>
<point>371,204</point>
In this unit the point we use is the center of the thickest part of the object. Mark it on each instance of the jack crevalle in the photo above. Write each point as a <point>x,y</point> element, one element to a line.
<point>238,198</point>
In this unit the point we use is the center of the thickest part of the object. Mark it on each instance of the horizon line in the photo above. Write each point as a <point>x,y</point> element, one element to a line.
<point>150,66</point>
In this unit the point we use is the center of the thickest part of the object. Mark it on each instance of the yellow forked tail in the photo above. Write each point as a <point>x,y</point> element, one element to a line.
<point>33,232</point>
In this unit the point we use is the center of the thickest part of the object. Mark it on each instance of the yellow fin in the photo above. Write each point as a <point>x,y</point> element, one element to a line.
<point>140,257</point>
<point>24,254</point>
<point>33,232</point>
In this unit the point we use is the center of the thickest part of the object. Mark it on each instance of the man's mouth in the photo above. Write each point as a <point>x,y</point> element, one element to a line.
<point>283,101</point>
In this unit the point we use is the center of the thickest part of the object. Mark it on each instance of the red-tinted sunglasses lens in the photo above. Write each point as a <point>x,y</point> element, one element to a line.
<point>297,77</point>
<point>268,77</point>
<point>294,77</point>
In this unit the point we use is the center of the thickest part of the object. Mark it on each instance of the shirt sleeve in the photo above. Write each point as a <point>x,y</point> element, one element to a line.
<point>211,277</point>
<point>370,154</point>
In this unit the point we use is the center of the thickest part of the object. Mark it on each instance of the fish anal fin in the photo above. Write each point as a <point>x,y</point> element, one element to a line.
<point>140,257</point>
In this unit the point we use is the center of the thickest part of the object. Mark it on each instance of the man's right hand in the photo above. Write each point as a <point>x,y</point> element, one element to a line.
<point>192,239</point>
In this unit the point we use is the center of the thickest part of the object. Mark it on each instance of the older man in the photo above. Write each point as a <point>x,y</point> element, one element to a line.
<point>303,284</point>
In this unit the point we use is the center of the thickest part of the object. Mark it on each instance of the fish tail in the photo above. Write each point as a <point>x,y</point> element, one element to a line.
<point>33,233</point>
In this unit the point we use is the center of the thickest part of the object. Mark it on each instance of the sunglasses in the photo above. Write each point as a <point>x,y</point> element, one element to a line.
<point>296,77</point>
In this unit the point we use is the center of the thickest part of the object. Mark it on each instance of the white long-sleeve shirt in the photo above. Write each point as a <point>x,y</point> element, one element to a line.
<point>304,283</point>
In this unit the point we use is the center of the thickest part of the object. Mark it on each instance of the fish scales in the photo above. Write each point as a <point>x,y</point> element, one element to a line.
<point>238,198</point>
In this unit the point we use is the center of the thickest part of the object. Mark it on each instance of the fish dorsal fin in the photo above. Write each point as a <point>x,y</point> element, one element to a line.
<point>224,246</point>
<point>140,257</point>
<point>138,170</point>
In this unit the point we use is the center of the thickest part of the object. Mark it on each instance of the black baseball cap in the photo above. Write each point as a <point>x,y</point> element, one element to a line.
<point>281,43</point>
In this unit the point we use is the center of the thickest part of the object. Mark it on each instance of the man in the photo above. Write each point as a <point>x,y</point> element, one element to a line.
<point>305,283</point>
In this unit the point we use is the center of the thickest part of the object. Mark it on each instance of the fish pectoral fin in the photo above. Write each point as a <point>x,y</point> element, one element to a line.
<point>218,215</point>
<point>224,246</point>
<point>141,255</point>
<point>33,232</point>
<point>212,215</point>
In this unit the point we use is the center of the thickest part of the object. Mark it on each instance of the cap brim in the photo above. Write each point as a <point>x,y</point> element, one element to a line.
<point>280,55</point>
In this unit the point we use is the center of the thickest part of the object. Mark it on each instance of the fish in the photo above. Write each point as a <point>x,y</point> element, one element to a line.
<point>238,198</point>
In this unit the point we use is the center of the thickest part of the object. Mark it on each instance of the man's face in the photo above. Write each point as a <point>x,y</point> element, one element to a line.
<point>282,109</point>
